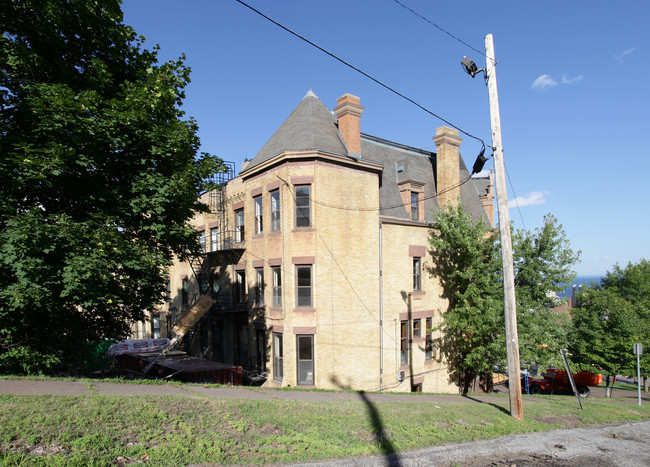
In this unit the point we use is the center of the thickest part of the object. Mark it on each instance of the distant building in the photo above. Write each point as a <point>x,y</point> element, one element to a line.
<point>316,254</point>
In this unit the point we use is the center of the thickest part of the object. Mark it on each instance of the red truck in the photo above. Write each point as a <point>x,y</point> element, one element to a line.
<point>557,382</point>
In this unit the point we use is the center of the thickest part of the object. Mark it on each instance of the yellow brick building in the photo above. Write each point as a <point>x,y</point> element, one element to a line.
<point>316,256</point>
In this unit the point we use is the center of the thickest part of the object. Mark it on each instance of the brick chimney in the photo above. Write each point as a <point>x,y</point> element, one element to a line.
<point>487,198</point>
<point>349,112</point>
<point>447,165</point>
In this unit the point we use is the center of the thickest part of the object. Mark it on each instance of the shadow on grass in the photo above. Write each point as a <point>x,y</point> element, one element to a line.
<point>502,409</point>
<point>380,434</point>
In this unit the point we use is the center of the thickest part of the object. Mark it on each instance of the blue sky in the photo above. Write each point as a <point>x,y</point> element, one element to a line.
<point>572,76</point>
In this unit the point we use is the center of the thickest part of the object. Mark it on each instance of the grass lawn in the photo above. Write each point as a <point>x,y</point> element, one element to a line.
<point>176,430</point>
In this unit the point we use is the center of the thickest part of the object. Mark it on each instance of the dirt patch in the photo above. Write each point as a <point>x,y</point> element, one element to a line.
<point>537,459</point>
<point>567,421</point>
<point>270,429</point>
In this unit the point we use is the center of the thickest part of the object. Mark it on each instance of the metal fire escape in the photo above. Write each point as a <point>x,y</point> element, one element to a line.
<point>206,265</point>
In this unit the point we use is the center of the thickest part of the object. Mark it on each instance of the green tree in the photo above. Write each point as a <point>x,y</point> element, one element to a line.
<point>604,329</point>
<point>543,265</point>
<point>100,176</point>
<point>632,283</point>
<point>467,261</point>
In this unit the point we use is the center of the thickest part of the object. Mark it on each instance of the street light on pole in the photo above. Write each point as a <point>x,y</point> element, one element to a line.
<point>510,309</point>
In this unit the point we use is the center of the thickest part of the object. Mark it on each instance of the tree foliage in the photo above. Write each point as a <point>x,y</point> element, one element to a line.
<point>633,284</point>
<point>610,318</point>
<point>543,265</point>
<point>100,177</point>
<point>467,261</point>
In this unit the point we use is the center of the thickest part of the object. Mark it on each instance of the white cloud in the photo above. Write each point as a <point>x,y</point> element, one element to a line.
<point>531,199</point>
<point>620,58</point>
<point>575,79</point>
<point>482,174</point>
<point>543,82</point>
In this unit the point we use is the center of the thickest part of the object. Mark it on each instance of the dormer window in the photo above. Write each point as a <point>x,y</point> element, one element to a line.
<point>415,206</point>
<point>413,198</point>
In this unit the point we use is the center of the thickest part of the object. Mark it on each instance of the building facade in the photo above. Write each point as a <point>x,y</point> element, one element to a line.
<point>316,255</point>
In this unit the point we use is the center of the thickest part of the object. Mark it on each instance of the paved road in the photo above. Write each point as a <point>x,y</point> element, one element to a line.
<point>621,445</point>
<point>625,444</point>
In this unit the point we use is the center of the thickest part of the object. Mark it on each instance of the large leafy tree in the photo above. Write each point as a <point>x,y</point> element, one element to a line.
<point>604,329</point>
<point>543,265</point>
<point>619,310</point>
<point>100,173</point>
<point>467,261</point>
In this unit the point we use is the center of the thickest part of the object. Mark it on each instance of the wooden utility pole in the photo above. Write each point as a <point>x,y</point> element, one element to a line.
<point>510,308</point>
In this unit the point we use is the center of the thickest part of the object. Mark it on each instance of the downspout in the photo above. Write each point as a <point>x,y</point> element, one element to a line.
<point>381,313</point>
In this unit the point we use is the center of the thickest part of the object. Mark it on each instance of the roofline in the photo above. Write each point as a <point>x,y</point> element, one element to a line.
<point>386,142</point>
<point>289,155</point>
<point>403,221</point>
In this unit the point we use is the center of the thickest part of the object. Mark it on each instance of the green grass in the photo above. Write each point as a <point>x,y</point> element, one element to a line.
<point>171,430</point>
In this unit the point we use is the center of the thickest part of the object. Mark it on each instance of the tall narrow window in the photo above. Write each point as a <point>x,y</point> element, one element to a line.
<point>214,239</point>
<point>303,275</point>
<point>428,345</point>
<point>303,208</point>
<point>202,240</point>
<point>239,225</point>
<point>277,357</point>
<point>260,345</point>
<point>155,327</point>
<point>417,273</point>
<point>305,346</point>
<point>275,210</point>
<point>277,286</point>
<point>417,328</point>
<point>240,287</point>
<point>242,344</point>
<point>259,286</point>
<point>415,206</point>
<point>404,342</point>
<point>259,216</point>
<point>185,291</point>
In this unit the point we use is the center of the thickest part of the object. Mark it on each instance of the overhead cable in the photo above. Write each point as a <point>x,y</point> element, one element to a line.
<point>441,29</point>
<point>360,71</point>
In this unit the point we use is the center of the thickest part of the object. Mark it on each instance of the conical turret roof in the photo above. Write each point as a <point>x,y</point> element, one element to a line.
<point>310,126</point>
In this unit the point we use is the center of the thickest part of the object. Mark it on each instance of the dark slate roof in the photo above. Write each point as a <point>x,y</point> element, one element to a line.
<point>310,126</point>
<point>402,163</point>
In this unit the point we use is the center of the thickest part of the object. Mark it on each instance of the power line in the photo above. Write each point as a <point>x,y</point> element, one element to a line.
<point>400,205</point>
<point>359,71</point>
<point>438,27</point>
<point>441,29</point>
<point>514,194</point>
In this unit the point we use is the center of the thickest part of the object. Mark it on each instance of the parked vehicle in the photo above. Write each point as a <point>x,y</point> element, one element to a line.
<point>557,382</point>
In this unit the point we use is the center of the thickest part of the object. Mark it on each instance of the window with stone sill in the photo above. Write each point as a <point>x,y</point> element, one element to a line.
<point>239,226</point>
<point>428,345</point>
<point>303,286</point>
<point>303,205</point>
<point>278,370</point>
<point>259,286</point>
<point>417,273</point>
<point>276,273</point>
<point>214,239</point>
<point>417,328</point>
<point>202,240</point>
<point>404,342</point>
<point>259,216</point>
<point>275,210</point>
<point>415,206</point>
